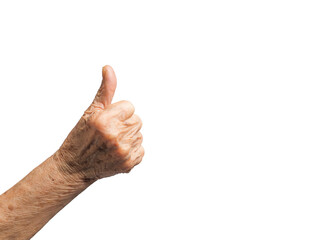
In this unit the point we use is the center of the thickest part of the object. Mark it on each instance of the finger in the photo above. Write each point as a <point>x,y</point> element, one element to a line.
<point>137,140</point>
<point>134,124</point>
<point>133,142</point>
<point>134,160</point>
<point>137,158</point>
<point>108,86</point>
<point>123,110</point>
<point>133,120</point>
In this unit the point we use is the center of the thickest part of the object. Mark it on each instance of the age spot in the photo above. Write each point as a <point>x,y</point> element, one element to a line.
<point>52,179</point>
<point>10,207</point>
<point>87,180</point>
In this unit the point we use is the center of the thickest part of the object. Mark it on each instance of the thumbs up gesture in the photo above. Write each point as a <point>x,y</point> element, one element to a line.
<point>105,141</point>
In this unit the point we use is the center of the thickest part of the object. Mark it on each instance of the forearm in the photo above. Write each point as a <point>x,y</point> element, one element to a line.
<point>32,202</point>
<point>106,141</point>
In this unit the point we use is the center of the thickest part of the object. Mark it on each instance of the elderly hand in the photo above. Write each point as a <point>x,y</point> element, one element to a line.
<point>105,141</point>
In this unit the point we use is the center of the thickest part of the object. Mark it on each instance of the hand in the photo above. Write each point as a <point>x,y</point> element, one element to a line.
<point>106,140</point>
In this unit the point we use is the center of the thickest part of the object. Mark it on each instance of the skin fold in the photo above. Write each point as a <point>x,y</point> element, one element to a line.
<point>105,141</point>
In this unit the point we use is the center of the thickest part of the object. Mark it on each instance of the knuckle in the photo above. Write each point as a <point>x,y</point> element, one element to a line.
<point>139,122</point>
<point>98,123</point>
<point>111,136</point>
<point>139,158</point>
<point>126,110</point>
<point>123,151</point>
<point>138,161</point>
<point>134,122</point>
<point>140,137</point>
<point>127,167</point>
<point>95,119</point>
<point>102,121</point>
<point>111,140</point>
<point>127,105</point>
<point>121,110</point>
<point>137,119</point>
<point>142,151</point>
<point>123,104</point>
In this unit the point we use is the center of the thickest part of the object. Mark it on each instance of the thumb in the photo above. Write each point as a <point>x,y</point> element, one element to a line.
<point>108,86</point>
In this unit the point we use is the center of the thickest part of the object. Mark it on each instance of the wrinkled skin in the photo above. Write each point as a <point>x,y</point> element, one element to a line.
<point>107,139</point>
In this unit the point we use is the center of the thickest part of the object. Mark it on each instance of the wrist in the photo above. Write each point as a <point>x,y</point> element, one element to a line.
<point>62,162</point>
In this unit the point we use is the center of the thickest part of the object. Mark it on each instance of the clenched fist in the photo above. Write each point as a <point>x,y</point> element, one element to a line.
<point>106,140</point>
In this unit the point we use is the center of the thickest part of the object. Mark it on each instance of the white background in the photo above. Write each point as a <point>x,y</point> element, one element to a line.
<point>230,98</point>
